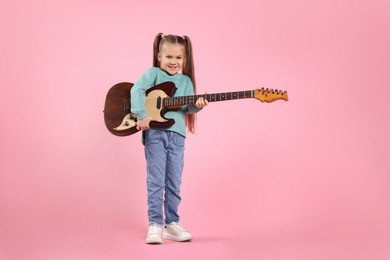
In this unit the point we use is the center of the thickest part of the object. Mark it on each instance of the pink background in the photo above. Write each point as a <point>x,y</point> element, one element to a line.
<point>303,179</point>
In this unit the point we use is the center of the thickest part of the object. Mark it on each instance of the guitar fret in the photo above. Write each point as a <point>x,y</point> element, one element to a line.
<point>184,100</point>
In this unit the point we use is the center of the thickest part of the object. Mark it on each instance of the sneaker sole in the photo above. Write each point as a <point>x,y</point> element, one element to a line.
<point>153,241</point>
<point>178,239</point>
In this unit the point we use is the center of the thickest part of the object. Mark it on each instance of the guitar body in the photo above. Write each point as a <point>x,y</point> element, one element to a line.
<point>117,109</point>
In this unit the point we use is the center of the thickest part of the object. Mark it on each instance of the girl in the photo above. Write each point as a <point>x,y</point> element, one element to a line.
<point>164,149</point>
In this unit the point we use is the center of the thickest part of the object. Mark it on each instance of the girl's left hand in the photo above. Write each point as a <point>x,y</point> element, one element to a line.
<point>201,102</point>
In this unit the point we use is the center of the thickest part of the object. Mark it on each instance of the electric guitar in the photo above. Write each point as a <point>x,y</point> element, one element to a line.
<point>159,99</point>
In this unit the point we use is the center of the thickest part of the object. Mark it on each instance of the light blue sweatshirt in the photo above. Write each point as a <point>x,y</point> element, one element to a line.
<point>154,76</point>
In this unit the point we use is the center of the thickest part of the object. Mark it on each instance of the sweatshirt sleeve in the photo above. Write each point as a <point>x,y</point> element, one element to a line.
<point>191,108</point>
<point>138,93</point>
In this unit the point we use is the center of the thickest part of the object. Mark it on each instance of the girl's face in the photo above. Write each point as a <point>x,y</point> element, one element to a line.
<point>171,58</point>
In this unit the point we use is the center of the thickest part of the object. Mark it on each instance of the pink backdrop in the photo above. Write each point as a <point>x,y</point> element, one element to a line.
<point>303,179</point>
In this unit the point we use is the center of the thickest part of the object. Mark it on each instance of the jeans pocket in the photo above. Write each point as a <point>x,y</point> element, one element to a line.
<point>179,140</point>
<point>153,136</point>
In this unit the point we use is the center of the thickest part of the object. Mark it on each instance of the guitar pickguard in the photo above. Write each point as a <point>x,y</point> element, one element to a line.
<point>127,123</point>
<point>151,104</point>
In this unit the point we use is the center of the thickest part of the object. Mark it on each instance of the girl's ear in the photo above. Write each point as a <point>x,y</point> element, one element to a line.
<point>159,56</point>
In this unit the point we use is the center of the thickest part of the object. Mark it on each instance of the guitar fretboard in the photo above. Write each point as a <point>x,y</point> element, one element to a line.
<point>185,100</point>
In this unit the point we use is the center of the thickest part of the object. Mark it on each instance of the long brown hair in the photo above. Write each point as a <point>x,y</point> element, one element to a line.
<point>188,66</point>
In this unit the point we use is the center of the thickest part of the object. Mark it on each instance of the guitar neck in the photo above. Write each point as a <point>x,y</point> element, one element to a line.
<point>186,100</point>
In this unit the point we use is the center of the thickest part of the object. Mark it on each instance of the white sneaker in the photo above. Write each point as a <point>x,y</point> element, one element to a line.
<point>174,231</point>
<point>154,234</point>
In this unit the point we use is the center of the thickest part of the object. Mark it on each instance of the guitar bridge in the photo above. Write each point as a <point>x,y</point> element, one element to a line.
<point>126,105</point>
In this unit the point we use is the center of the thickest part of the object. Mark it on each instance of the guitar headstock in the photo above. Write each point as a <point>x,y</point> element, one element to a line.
<point>270,95</point>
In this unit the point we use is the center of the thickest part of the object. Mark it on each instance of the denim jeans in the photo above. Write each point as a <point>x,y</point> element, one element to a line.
<point>164,152</point>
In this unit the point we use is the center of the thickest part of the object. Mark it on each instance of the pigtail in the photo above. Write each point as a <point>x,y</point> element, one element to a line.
<point>189,70</point>
<point>156,49</point>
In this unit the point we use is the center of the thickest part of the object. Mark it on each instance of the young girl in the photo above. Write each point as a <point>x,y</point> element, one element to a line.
<point>164,148</point>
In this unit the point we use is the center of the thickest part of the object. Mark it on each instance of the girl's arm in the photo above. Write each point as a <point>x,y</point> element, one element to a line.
<point>138,97</point>
<point>138,93</point>
<point>200,103</point>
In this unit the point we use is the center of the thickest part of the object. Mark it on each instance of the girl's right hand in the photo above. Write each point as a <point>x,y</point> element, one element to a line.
<point>143,124</point>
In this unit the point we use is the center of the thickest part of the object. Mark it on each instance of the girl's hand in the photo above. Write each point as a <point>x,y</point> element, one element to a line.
<point>201,102</point>
<point>143,124</point>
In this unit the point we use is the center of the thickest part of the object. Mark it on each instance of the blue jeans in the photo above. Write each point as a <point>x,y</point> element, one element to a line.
<point>164,152</point>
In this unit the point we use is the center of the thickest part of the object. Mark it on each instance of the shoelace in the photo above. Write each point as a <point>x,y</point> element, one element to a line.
<point>153,229</point>
<point>178,227</point>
